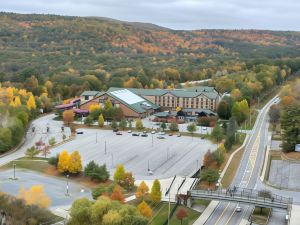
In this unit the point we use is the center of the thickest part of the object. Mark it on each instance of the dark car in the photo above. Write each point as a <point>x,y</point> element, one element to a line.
<point>161,137</point>
<point>144,135</point>
<point>135,134</point>
<point>79,132</point>
<point>115,130</point>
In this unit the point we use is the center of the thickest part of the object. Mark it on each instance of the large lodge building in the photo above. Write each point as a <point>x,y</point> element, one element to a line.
<point>139,103</point>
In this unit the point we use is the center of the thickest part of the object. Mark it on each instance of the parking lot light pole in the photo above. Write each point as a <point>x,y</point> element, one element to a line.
<point>67,190</point>
<point>14,171</point>
<point>112,160</point>
<point>105,147</point>
<point>96,137</point>
<point>152,139</point>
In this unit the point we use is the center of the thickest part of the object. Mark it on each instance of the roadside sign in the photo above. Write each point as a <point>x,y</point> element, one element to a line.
<point>297,148</point>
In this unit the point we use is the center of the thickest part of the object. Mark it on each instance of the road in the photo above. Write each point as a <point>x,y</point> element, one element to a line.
<point>247,175</point>
<point>40,132</point>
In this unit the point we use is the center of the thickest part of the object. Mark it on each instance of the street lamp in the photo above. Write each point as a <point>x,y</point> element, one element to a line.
<point>14,177</point>
<point>67,190</point>
<point>105,147</point>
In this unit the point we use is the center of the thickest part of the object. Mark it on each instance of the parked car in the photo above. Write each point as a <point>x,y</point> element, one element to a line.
<point>161,137</point>
<point>130,131</point>
<point>79,132</point>
<point>144,135</point>
<point>135,134</point>
<point>162,133</point>
<point>170,134</point>
<point>118,133</point>
<point>153,132</point>
<point>115,130</point>
<point>179,135</point>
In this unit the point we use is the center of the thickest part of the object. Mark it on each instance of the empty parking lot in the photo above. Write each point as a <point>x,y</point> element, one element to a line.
<point>164,157</point>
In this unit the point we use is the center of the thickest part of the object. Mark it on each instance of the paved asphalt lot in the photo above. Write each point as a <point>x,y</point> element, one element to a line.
<point>54,187</point>
<point>284,174</point>
<point>167,157</point>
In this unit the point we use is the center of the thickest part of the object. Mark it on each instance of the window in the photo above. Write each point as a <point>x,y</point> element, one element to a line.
<point>86,97</point>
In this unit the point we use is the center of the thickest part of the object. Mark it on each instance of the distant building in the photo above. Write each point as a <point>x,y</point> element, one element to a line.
<point>132,105</point>
<point>181,104</point>
<point>193,98</point>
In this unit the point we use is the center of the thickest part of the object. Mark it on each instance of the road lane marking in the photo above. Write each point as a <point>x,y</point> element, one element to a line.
<point>222,214</point>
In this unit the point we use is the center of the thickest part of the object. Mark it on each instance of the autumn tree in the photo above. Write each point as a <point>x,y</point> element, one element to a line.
<point>207,159</point>
<point>117,194</point>
<point>119,174</point>
<point>128,182</point>
<point>181,214</point>
<point>32,152</point>
<point>35,196</point>
<point>31,103</point>
<point>101,121</point>
<point>156,191</point>
<point>240,111</point>
<point>192,128</point>
<point>139,124</point>
<point>217,133</point>
<point>145,209</point>
<point>63,162</point>
<point>142,191</point>
<point>173,126</point>
<point>75,165</point>
<point>68,116</point>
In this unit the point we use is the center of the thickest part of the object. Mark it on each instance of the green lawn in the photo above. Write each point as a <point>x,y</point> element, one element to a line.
<point>160,215</point>
<point>260,217</point>
<point>35,164</point>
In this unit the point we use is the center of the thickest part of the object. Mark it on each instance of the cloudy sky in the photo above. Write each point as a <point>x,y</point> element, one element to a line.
<point>176,14</point>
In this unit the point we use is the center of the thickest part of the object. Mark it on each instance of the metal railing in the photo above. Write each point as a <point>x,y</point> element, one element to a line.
<point>243,195</point>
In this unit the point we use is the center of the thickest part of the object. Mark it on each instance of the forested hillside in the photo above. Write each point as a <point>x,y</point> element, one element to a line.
<point>65,55</point>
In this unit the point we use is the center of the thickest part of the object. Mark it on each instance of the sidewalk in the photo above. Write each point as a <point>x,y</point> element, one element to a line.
<point>206,214</point>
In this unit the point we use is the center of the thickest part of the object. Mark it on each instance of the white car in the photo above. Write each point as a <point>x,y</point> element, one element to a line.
<point>153,132</point>
<point>238,208</point>
<point>130,131</point>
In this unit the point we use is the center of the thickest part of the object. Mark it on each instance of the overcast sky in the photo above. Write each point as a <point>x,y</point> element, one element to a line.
<point>176,14</point>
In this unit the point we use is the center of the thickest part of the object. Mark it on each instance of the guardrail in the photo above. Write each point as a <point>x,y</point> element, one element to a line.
<point>247,196</point>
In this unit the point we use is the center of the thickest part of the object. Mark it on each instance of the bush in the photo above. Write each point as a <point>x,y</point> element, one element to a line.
<point>210,175</point>
<point>104,189</point>
<point>53,160</point>
<point>229,142</point>
<point>96,172</point>
<point>88,121</point>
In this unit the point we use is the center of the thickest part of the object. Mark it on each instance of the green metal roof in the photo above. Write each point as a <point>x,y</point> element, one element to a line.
<point>191,92</point>
<point>91,93</point>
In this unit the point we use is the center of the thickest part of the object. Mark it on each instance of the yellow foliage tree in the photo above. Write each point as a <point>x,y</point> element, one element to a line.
<point>63,162</point>
<point>35,196</point>
<point>68,116</point>
<point>142,191</point>
<point>75,165</point>
<point>31,103</point>
<point>94,107</point>
<point>145,209</point>
<point>101,121</point>
<point>17,102</point>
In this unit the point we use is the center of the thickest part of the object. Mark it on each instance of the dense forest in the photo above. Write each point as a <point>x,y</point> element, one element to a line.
<point>65,55</point>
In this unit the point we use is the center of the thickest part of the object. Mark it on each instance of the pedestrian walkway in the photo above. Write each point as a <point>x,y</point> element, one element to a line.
<point>206,214</point>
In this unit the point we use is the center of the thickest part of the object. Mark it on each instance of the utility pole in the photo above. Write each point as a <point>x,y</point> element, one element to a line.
<point>169,210</point>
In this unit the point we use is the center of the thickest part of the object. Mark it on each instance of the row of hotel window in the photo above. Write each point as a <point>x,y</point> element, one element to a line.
<point>168,101</point>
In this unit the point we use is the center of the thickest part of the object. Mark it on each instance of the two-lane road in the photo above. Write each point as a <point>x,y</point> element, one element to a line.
<point>247,173</point>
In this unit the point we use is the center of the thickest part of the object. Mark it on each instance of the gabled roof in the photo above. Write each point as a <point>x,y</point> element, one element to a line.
<point>91,93</point>
<point>192,92</point>
<point>131,100</point>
